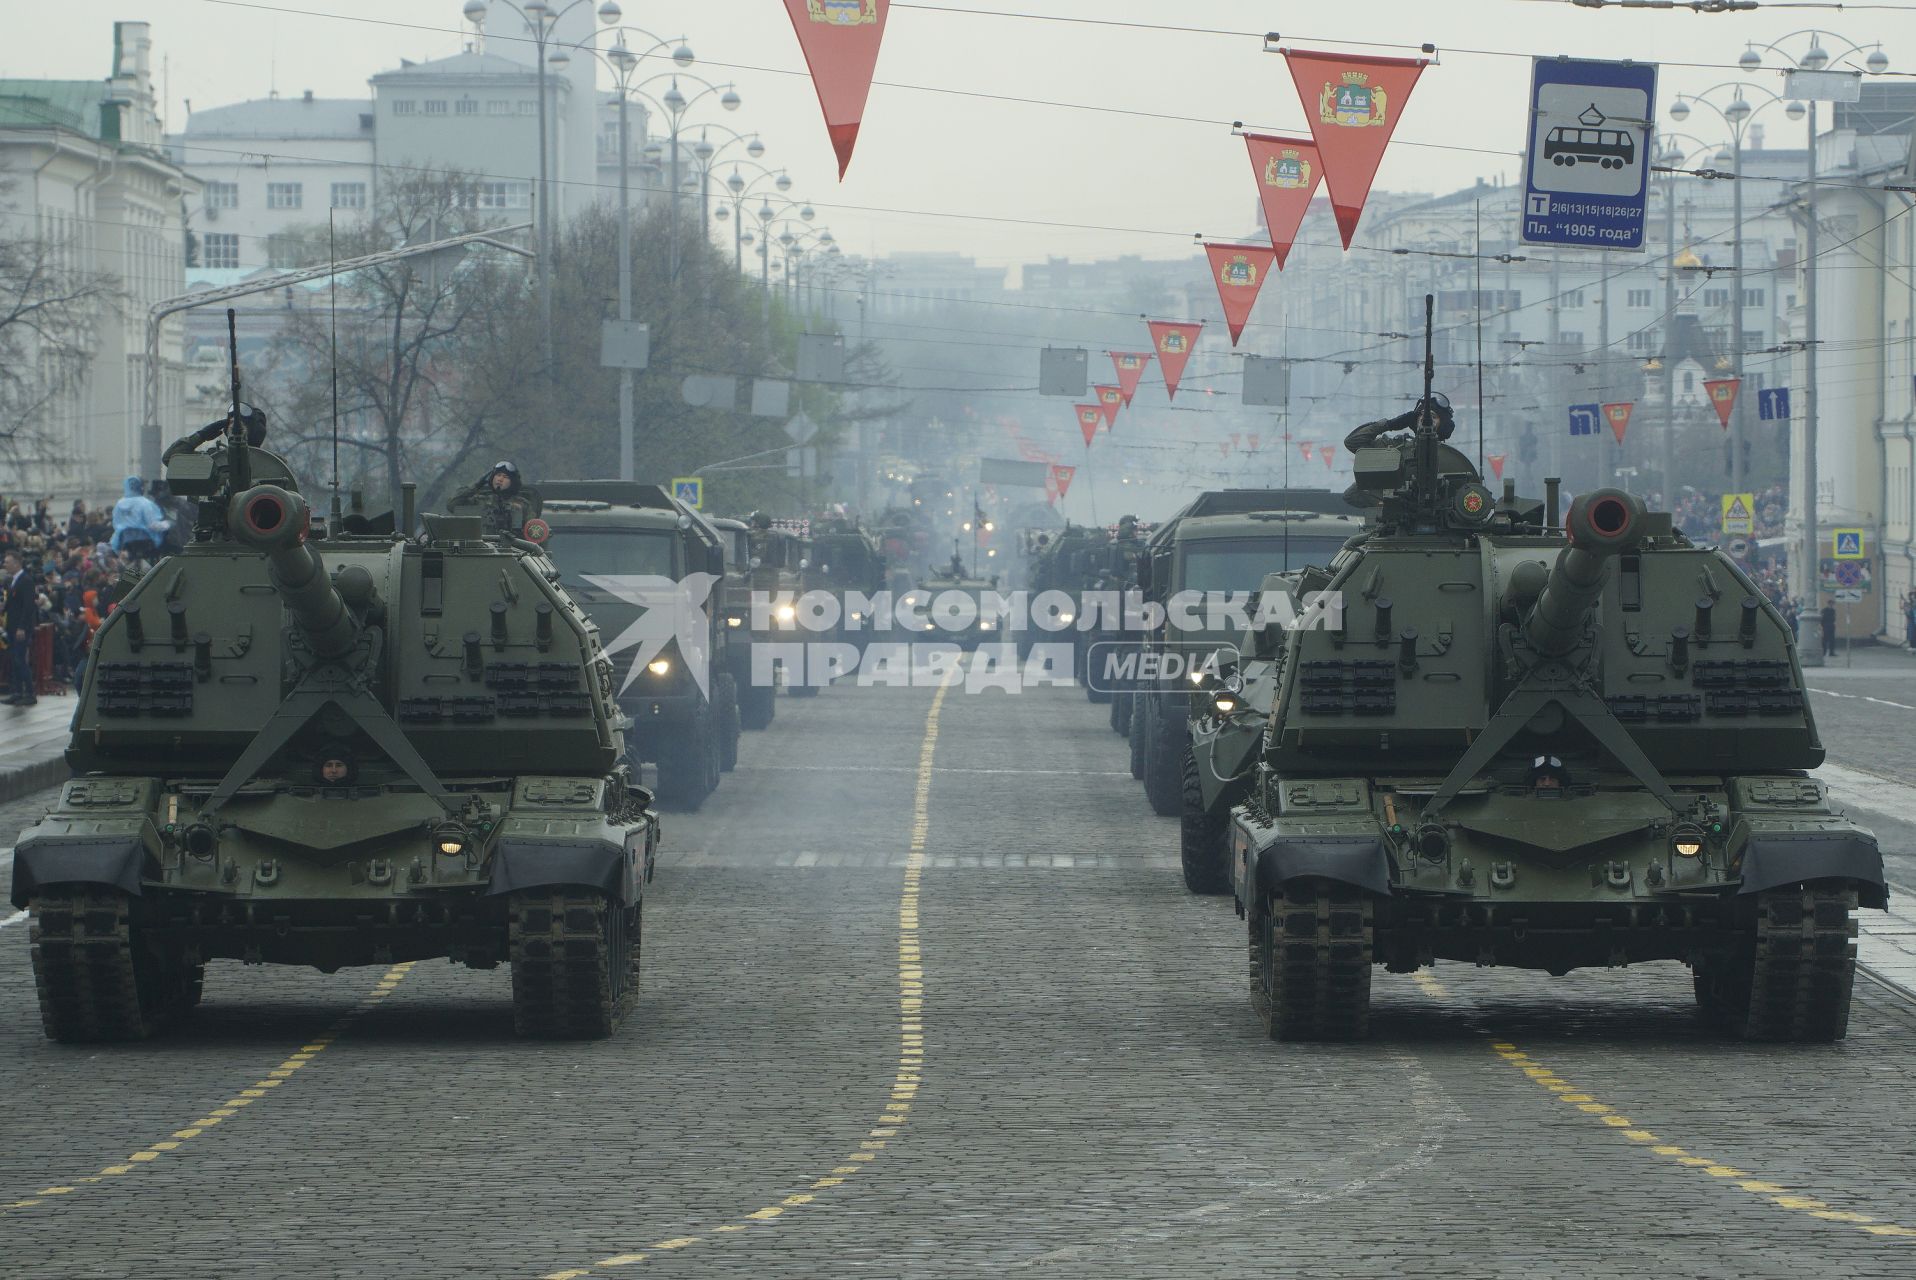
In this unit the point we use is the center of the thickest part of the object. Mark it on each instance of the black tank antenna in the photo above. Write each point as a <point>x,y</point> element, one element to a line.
<point>1430,360</point>
<point>239,461</point>
<point>332,319</point>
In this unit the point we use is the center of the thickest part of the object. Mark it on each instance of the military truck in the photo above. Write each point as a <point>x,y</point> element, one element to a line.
<point>1115,572</point>
<point>966,626</point>
<point>735,612</point>
<point>1543,745</point>
<point>775,579</point>
<point>1219,548</point>
<point>846,563</point>
<point>334,744</point>
<point>649,569</point>
<point>1066,561</point>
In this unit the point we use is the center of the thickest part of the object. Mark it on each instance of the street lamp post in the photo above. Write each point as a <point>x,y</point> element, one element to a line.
<point>1736,115</point>
<point>707,155</point>
<point>1809,548</point>
<point>741,189</point>
<point>540,17</point>
<point>673,105</point>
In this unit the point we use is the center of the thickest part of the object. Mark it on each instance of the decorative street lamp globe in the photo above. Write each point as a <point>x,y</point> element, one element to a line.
<point>787,239</point>
<point>1679,110</point>
<point>683,55</point>
<point>746,237</point>
<point>1750,60</point>
<point>730,100</point>
<point>765,212</point>
<point>475,11</point>
<point>610,13</point>
<point>783,182</point>
<point>622,58</point>
<point>755,148</point>
<point>1795,111</point>
<point>653,153</point>
<point>537,9</point>
<point>722,214</point>
<point>559,58</point>
<point>735,184</point>
<point>1737,112</point>
<point>703,149</point>
<point>1816,58</point>
<point>674,100</point>
<point>1724,158</point>
<point>808,213</point>
<point>1877,62</point>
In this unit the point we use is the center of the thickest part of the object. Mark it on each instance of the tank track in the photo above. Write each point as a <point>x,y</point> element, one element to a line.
<point>574,963</point>
<point>1201,837</point>
<point>93,985</point>
<point>1805,964</point>
<point>1312,961</point>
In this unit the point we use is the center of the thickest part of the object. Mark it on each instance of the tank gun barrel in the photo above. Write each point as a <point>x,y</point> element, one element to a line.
<point>1602,524</point>
<point>273,521</point>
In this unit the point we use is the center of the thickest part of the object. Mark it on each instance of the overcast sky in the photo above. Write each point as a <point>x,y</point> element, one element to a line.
<point>1002,181</point>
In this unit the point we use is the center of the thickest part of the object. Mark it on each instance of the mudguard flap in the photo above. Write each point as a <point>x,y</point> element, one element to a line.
<point>1773,859</point>
<point>1352,859</point>
<point>616,870</point>
<point>115,860</point>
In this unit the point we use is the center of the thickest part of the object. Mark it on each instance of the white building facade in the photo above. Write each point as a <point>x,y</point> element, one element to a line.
<point>85,168</point>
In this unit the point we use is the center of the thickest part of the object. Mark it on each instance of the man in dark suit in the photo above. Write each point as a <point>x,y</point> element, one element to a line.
<point>22,616</point>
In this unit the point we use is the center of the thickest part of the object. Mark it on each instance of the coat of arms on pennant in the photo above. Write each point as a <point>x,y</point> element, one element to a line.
<point>1238,271</point>
<point>1287,169</point>
<point>1350,101</point>
<point>1172,342</point>
<point>842,13</point>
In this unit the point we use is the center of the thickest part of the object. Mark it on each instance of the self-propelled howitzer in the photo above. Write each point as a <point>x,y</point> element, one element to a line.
<point>1548,747</point>
<point>337,744</point>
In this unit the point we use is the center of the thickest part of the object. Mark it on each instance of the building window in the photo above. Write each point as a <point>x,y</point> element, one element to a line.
<point>222,250</point>
<point>498,107</point>
<point>1753,297</point>
<point>466,107</point>
<point>435,106</point>
<point>1689,381</point>
<point>1571,337</point>
<point>1716,297</point>
<point>405,107</point>
<point>1639,298</point>
<point>349,195</point>
<point>222,195</point>
<point>284,195</point>
<point>1643,340</point>
<point>503,195</point>
<point>1572,299</point>
<point>1752,339</point>
<point>528,108</point>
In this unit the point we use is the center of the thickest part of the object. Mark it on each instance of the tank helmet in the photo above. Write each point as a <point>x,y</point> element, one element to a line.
<point>760,520</point>
<point>1551,768</point>
<point>506,469</point>
<point>1438,406</point>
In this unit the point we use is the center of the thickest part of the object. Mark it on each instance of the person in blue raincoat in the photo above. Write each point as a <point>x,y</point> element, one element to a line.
<point>139,526</point>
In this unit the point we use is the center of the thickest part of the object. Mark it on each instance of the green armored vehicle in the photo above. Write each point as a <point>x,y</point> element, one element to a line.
<point>337,745</point>
<point>735,611</point>
<point>1543,747</point>
<point>649,569</point>
<point>1201,567</point>
<point>1064,560</point>
<point>942,599</point>
<point>846,563</point>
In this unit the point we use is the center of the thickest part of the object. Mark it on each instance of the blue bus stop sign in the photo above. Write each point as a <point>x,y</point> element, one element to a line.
<point>1587,160</point>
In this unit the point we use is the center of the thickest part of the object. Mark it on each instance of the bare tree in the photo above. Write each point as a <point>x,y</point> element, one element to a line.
<point>48,305</point>
<point>401,327</point>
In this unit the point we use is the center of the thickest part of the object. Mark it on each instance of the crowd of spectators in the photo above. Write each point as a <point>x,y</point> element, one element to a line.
<point>1701,514</point>
<point>63,571</point>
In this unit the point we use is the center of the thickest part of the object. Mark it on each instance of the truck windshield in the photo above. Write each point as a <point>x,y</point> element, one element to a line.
<point>1239,564</point>
<point>583,553</point>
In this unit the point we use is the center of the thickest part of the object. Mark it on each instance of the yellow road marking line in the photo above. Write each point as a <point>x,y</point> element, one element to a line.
<point>1777,1194</point>
<point>911,1027</point>
<point>151,1153</point>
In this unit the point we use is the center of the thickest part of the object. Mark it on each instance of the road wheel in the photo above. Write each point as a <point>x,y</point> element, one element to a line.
<point>1166,739</point>
<point>575,960</point>
<point>757,706</point>
<point>725,695</point>
<point>1120,713</point>
<point>96,983</point>
<point>1140,715</point>
<point>1202,844</point>
<point>1316,961</point>
<point>1804,964</point>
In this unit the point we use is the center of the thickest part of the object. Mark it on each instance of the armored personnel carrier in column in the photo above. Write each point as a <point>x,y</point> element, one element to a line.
<point>1542,746</point>
<point>331,745</point>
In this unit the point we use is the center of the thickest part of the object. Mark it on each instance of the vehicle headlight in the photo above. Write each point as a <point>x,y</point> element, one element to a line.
<point>1687,842</point>
<point>786,613</point>
<point>858,617</point>
<point>1197,677</point>
<point>735,621</point>
<point>659,666</point>
<point>1224,704</point>
<point>988,624</point>
<point>1066,616</point>
<point>449,839</point>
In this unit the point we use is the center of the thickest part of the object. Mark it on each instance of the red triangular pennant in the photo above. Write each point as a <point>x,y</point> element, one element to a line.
<point>1239,271</point>
<point>1173,341</point>
<point>1306,447</point>
<point>840,39</point>
<point>1110,399</point>
<point>1722,397</point>
<point>1618,415</point>
<point>1497,465</point>
<point>1130,365</point>
<point>1061,478</point>
<point>1090,418</point>
<point>1288,171</point>
<point>1330,452</point>
<point>1251,438</point>
<point>1353,105</point>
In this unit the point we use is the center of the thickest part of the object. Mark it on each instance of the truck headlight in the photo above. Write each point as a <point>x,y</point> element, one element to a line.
<point>449,839</point>
<point>786,613</point>
<point>1687,842</point>
<point>1224,704</point>
<point>659,666</point>
<point>734,621</point>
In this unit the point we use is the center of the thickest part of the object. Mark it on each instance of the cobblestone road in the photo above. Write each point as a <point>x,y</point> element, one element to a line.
<point>1083,1091</point>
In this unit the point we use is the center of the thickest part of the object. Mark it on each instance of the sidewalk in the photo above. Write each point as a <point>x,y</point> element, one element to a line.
<point>32,740</point>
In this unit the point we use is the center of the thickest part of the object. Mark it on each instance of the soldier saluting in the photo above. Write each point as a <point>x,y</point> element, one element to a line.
<point>503,501</point>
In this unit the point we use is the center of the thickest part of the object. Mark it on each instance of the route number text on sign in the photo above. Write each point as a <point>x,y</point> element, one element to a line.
<point>1587,162</point>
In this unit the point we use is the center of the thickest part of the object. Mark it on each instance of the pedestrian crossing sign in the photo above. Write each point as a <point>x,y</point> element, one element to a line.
<point>690,490</point>
<point>1849,544</point>
<point>1739,513</point>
